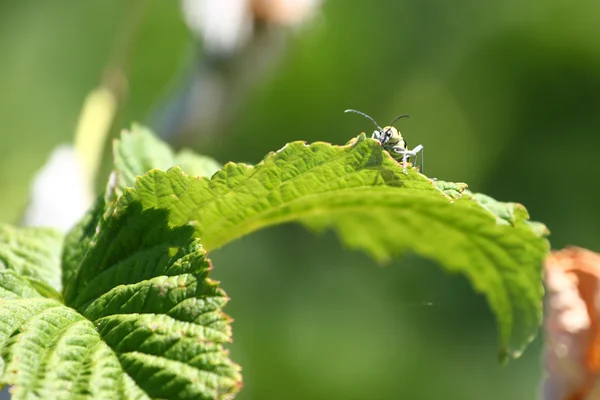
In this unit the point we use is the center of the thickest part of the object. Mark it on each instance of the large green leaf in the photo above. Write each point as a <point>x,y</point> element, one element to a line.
<point>362,193</point>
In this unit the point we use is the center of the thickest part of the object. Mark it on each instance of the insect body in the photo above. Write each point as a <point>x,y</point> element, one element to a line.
<point>391,139</point>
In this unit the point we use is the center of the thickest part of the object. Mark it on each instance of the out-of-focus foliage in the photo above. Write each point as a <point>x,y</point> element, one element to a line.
<point>503,95</point>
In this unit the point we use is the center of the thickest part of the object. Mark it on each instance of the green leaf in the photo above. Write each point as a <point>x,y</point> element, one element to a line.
<point>363,194</point>
<point>145,287</point>
<point>49,351</point>
<point>33,253</point>
<point>451,189</point>
<point>139,151</point>
<point>78,240</point>
<point>195,164</point>
<point>509,213</point>
<point>140,318</point>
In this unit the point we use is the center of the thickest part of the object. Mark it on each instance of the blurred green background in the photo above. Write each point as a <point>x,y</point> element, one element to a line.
<point>504,95</point>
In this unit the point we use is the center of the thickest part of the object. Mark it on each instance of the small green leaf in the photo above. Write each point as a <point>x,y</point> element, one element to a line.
<point>363,194</point>
<point>451,189</point>
<point>139,151</point>
<point>33,253</point>
<point>509,212</point>
<point>195,164</point>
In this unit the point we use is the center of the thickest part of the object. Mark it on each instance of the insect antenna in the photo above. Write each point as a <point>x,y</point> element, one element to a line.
<point>366,116</point>
<point>398,117</point>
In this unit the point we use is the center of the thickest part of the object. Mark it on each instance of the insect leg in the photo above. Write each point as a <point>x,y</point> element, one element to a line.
<point>405,155</point>
<point>417,150</point>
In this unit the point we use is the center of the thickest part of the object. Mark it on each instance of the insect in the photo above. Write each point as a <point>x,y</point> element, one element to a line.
<point>391,139</point>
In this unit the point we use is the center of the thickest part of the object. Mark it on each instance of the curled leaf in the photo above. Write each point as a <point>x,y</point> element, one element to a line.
<point>364,195</point>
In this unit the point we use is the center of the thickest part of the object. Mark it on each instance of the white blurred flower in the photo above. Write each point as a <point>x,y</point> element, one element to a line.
<point>60,193</point>
<point>227,25</point>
